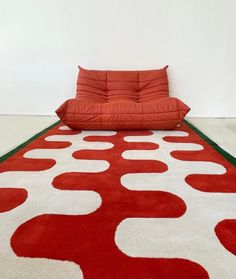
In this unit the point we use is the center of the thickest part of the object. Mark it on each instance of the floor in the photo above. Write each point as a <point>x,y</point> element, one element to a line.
<point>221,130</point>
<point>17,129</point>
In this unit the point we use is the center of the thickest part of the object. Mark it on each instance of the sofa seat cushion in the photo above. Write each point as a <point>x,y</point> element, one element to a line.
<point>163,113</point>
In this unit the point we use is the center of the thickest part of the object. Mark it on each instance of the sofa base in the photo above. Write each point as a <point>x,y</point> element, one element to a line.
<point>162,114</point>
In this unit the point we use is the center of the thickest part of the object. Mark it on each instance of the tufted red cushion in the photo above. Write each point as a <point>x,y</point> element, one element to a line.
<point>163,114</point>
<point>137,86</point>
<point>122,100</point>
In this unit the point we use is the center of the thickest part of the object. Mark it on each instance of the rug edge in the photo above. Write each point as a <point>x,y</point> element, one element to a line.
<point>227,156</point>
<point>25,143</point>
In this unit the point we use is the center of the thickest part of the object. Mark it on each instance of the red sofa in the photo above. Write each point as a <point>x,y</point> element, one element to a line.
<point>122,100</point>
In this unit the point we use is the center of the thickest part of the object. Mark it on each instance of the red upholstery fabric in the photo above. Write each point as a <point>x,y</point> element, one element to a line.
<point>137,86</point>
<point>122,100</point>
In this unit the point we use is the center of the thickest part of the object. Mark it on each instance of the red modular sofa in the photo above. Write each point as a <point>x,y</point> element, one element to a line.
<point>122,100</point>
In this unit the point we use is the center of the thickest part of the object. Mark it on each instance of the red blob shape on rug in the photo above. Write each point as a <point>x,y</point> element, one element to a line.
<point>11,198</point>
<point>89,240</point>
<point>226,232</point>
<point>223,183</point>
<point>18,162</point>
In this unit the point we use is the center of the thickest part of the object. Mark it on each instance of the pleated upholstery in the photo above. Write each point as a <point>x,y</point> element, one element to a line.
<point>163,114</point>
<point>122,100</point>
<point>137,86</point>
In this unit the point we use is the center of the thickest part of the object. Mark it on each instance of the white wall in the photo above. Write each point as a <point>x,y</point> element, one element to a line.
<point>42,41</point>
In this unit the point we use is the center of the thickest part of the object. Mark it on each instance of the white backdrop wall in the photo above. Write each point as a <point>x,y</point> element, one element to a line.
<point>43,41</point>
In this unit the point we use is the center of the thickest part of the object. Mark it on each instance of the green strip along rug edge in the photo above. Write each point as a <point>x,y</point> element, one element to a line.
<point>220,150</point>
<point>22,145</point>
<point>214,145</point>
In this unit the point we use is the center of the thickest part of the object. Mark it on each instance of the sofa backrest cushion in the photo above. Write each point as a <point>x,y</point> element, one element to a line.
<point>105,86</point>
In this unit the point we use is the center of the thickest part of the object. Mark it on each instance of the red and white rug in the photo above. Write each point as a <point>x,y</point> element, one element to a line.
<point>118,205</point>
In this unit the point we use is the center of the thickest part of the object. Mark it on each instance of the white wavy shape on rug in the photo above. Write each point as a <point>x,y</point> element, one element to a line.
<point>65,128</point>
<point>43,198</point>
<point>191,236</point>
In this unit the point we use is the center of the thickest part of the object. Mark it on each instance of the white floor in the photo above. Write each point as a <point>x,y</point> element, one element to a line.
<point>17,129</point>
<point>221,130</point>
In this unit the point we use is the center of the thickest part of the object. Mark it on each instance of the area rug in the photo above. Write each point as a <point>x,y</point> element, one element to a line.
<point>118,205</point>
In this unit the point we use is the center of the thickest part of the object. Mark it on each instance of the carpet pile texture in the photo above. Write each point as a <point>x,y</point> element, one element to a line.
<point>117,205</point>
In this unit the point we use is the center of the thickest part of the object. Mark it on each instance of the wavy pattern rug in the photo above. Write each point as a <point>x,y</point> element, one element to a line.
<point>118,205</point>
